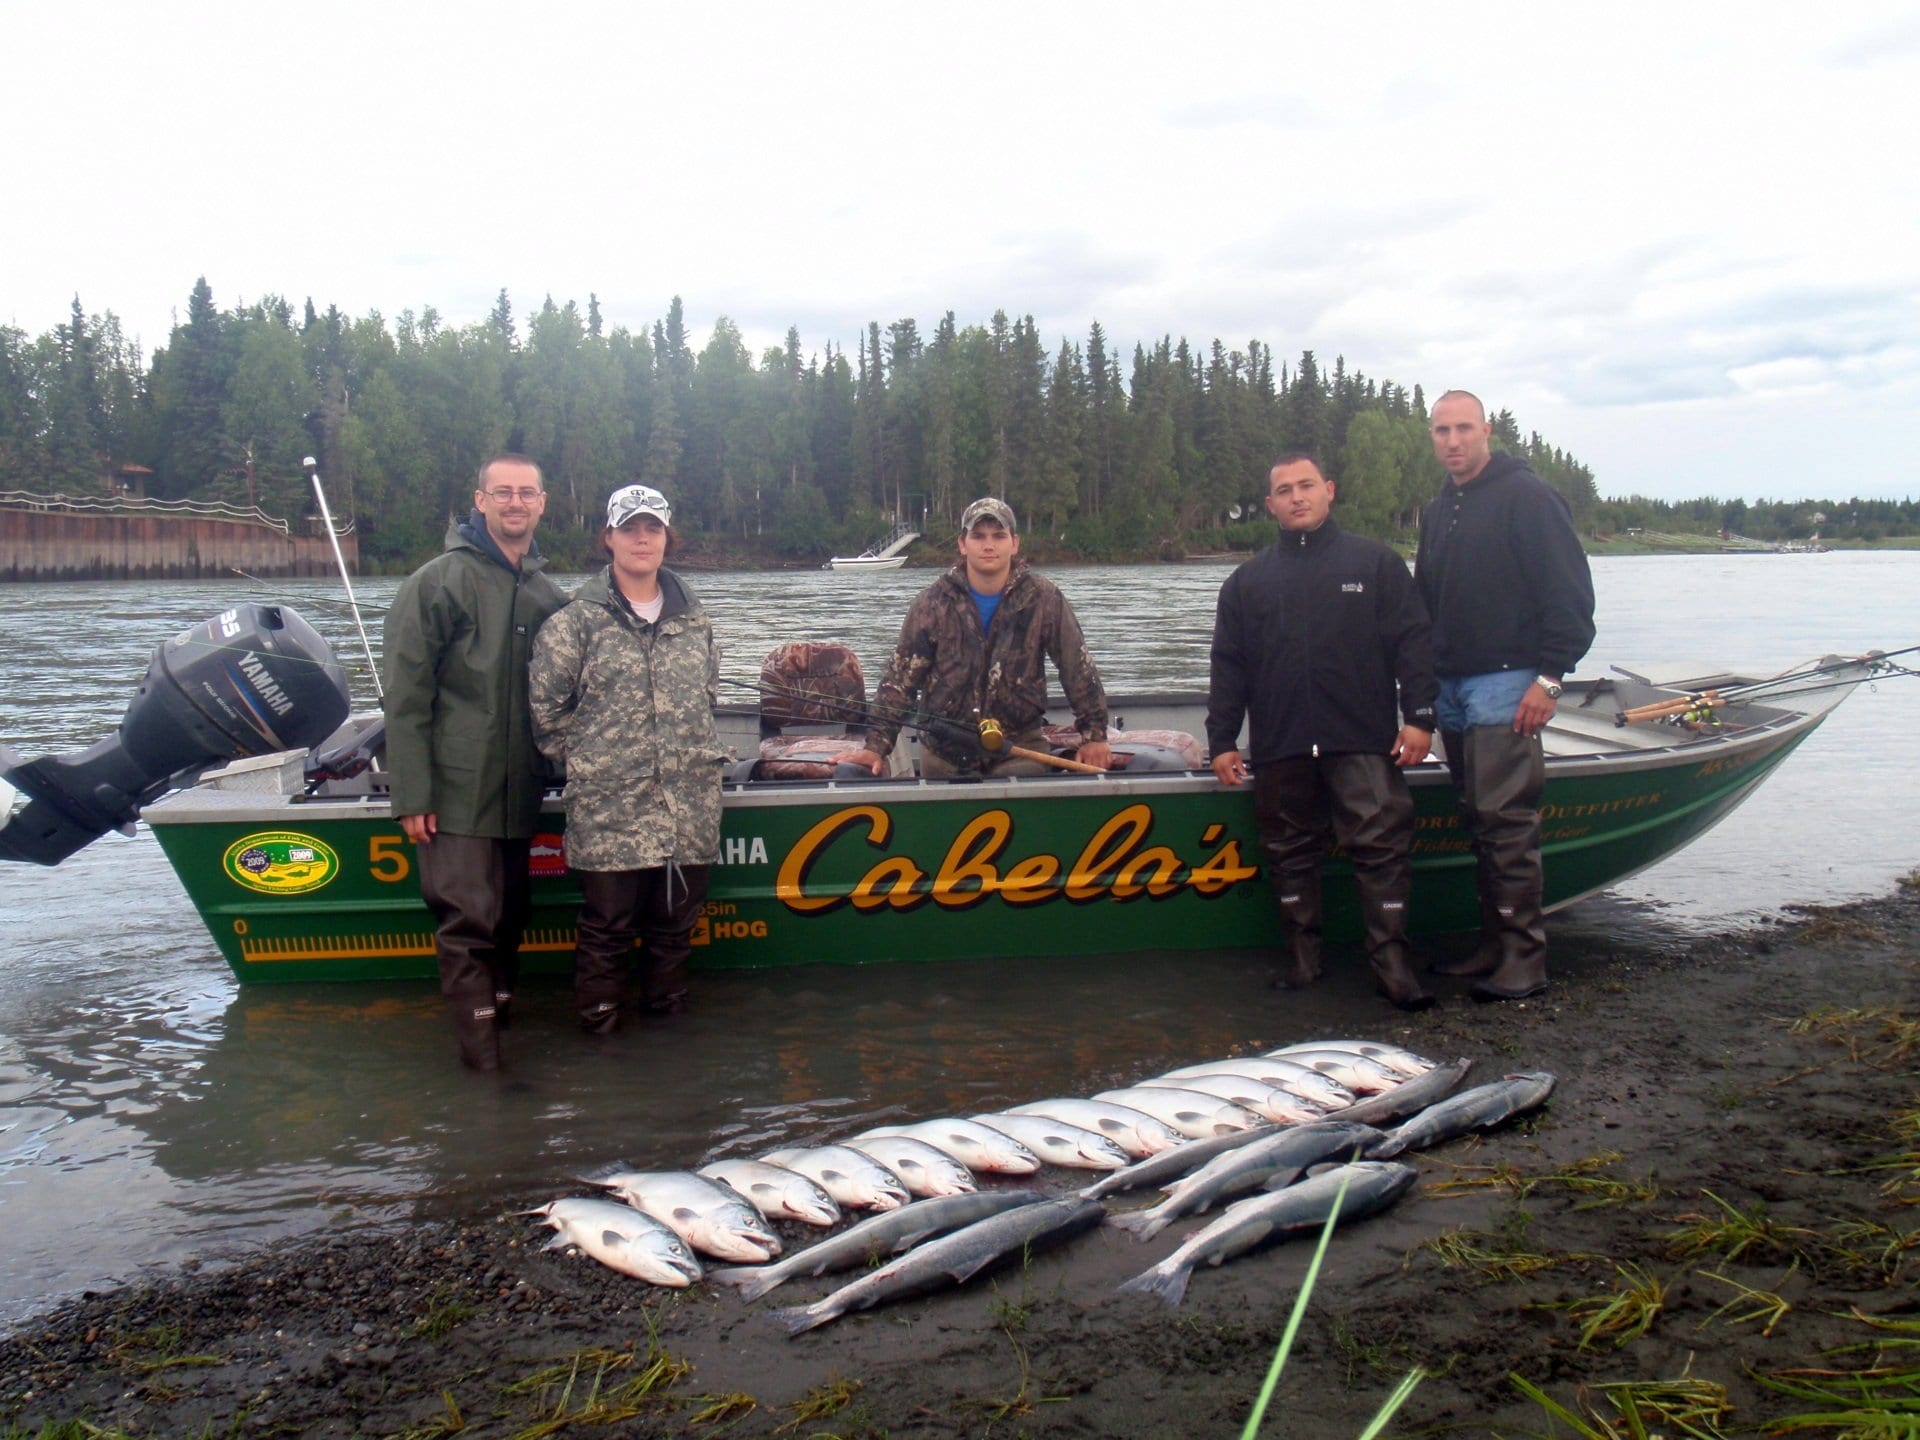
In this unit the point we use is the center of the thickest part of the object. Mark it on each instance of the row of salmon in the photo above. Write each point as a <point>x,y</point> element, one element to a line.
<point>724,1208</point>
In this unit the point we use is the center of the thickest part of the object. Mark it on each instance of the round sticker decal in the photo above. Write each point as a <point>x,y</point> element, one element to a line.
<point>280,862</point>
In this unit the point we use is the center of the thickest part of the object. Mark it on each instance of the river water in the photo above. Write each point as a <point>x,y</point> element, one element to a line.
<point>151,1113</point>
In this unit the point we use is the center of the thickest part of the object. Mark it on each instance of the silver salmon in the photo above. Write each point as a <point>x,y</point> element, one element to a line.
<point>875,1238</point>
<point>1410,1065</point>
<point>1194,1113</point>
<point>972,1144</point>
<point>924,1169</point>
<point>1072,1147</point>
<point>951,1260</point>
<point>1268,1101</point>
<point>1480,1108</point>
<point>1409,1096</point>
<point>1273,1160</point>
<point>1134,1131</point>
<point>775,1191</point>
<point>1259,1219</point>
<point>622,1239</point>
<point>709,1216</point>
<point>855,1181</point>
<point>1287,1075</point>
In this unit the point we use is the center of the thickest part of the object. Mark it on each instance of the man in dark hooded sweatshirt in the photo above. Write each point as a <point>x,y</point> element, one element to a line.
<point>466,779</point>
<point>1506,581</point>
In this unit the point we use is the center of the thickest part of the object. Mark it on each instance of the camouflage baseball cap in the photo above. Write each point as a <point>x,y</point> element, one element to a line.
<point>987,508</point>
<point>634,500</point>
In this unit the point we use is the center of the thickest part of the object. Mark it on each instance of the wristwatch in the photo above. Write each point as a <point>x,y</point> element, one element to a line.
<point>1552,687</point>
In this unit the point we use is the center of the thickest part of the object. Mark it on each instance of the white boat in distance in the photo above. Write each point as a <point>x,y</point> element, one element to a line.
<point>889,554</point>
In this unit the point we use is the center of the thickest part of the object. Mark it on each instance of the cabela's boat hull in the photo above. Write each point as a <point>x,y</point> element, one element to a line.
<point>323,887</point>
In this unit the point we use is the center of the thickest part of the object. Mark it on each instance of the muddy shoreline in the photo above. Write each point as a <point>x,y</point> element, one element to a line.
<point>1738,1123</point>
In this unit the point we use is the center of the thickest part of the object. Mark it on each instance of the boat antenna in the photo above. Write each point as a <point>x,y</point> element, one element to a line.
<point>353,604</point>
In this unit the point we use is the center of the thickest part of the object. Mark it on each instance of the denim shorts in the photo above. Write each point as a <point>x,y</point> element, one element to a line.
<point>1469,700</point>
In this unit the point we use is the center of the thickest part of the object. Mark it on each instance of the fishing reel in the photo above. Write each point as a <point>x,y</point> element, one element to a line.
<point>993,737</point>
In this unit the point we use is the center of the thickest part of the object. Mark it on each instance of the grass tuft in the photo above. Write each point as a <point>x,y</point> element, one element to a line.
<point>1495,1257</point>
<point>1876,1035</point>
<point>1750,1303</point>
<point>1731,1234</point>
<point>1642,1409</point>
<point>1624,1315</point>
<point>821,1403</point>
<point>1583,1179</point>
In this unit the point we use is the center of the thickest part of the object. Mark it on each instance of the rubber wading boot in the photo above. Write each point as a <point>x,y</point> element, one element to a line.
<point>479,1036</point>
<point>600,1019</point>
<point>1506,774</point>
<point>1299,903</point>
<point>1522,970</point>
<point>503,1009</point>
<point>1383,902</point>
<point>1486,955</point>
<point>1484,958</point>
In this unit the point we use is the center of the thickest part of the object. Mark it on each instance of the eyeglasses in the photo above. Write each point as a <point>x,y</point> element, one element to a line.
<point>526,495</point>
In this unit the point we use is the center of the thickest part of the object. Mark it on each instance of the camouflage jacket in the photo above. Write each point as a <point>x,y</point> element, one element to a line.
<point>627,707</point>
<point>945,664</point>
<point>459,737</point>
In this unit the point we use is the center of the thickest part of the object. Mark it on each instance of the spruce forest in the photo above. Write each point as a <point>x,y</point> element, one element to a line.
<point>796,455</point>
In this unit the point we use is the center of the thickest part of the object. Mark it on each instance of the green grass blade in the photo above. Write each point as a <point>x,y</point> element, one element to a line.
<point>1393,1403</point>
<point>1293,1321</point>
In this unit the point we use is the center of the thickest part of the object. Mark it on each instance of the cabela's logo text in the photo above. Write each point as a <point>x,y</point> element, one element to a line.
<point>1116,863</point>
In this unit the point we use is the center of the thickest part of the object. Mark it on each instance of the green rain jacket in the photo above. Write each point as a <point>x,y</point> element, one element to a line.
<point>627,707</point>
<point>457,643</point>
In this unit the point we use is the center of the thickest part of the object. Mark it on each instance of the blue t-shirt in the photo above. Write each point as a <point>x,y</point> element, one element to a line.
<point>986,605</point>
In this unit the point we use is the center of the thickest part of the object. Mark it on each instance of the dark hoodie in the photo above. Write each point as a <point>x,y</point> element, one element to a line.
<point>1503,575</point>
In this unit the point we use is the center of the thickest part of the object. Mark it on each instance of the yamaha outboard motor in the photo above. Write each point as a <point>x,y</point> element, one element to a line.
<point>251,681</point>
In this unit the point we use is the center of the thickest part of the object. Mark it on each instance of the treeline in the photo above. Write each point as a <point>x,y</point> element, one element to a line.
<point>1774,520</point>
<point>799,452</point>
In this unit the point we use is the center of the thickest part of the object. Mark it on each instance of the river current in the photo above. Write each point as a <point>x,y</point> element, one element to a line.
<point>153,1113</point>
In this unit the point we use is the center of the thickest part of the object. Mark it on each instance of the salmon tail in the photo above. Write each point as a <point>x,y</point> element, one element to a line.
<point>601,1174</point>
<point>801,1318</point>
<point>752,1281</point>
<point>1169,1284</point>
<point>1141,1224</point>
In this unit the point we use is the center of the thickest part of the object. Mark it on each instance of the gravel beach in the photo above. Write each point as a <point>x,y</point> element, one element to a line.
<point>1723,1192</point>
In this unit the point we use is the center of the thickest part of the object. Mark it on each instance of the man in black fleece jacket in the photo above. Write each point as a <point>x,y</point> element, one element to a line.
<point>1311,636</point>
<point>1506,581</point>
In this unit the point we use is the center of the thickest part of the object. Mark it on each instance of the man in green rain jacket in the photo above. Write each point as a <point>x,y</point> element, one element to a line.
<point>465,777</point>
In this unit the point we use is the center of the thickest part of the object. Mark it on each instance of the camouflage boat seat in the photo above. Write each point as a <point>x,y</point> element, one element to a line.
<point>1137,751</point>
<point>813,712</point>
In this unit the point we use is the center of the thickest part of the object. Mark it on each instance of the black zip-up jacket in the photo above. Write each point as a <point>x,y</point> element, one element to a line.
<point>1311,635</point>
<point>1503,575</point>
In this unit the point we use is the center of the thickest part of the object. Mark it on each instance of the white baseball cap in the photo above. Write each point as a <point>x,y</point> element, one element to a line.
<point>634,500</point>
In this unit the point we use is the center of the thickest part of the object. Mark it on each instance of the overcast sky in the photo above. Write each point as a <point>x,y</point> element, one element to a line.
<point>1680,240</point>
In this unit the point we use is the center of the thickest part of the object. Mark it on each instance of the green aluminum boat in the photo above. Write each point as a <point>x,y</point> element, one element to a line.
<point>300,878</point>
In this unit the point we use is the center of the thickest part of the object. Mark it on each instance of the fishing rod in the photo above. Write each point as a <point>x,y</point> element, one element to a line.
<point>326,515</point>
<point>1788,684</point>
<point>304,597</point>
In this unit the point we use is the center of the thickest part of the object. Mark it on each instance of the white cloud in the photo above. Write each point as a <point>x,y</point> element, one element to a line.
<point>1632,225</point>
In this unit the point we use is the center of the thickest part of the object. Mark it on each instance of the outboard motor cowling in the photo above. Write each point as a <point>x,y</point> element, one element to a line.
<point>251,681</point>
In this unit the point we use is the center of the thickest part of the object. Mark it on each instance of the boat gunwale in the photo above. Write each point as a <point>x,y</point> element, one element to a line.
<point>203,804</point>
